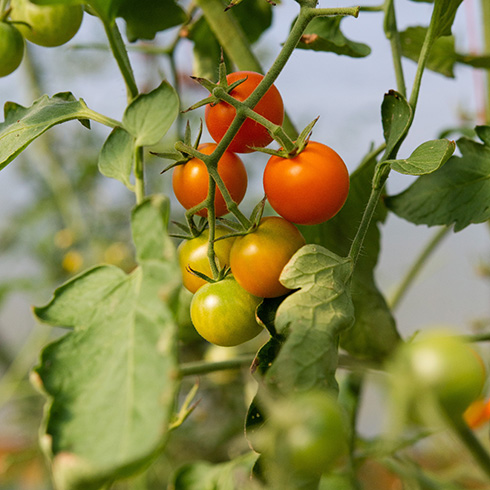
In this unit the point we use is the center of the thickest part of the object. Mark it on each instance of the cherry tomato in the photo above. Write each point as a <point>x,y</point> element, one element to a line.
<point>219,116</point>
<point>258,258</point>
<point>11,48</point>
<point>444,366</point>
<point>47,25</point>
<point>306,432</point>
<point>308,189</point>
<point>193,254</point>
<point>191,180</point>
<point>224,313</point>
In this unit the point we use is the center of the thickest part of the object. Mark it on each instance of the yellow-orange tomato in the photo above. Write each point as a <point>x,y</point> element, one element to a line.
<point>308,189</point>
<point>258,258</point>
<point>194,254</point>
<point>191,180</point>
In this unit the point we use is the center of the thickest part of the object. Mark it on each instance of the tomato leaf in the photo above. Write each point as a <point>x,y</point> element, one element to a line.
<point>396,116</point>
<point>324,34</point>
<point>312,318</point>
<point>23,125</point>
<point>146,17</point>
<point>425,159</point>
<point>443,17</point>
<point>458,193</point>
<point>221,476</point>
<point>373,335</point>
<point>116,156</point>
<point>483,133</point>
<point>110,382</point>
<point>442,55</point>
<point>149,116</point>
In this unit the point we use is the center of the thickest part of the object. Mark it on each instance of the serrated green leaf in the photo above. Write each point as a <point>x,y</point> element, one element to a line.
<point>111,381</point>
<point>116,156</point>
<point>23,125</point>
<point>149,116</point>
<point>458,193</point>
<point>313,318</point>
<point>373,335</point>
<point>425,159</point>
<point>324,34</point>
<point>202,475</point>
<point>442,56</point>
<point>145,18</point>
<point>396,117</point>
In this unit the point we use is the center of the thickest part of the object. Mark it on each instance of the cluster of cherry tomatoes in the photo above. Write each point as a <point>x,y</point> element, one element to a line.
<point>44,25</point>
<point>307,187</point>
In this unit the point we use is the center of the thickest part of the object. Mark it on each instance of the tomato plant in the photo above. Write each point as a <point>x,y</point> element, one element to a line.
<point>251,134</point>
<point>297,302</point>
<point>11,48</point>
<point>258,258</point>
<point>191,180</point>
<point>309,188</point>
<point>224,313</point>
<point>193,255</point>
<point>47,25</point>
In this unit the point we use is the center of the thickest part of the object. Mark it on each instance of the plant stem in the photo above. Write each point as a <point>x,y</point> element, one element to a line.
<point>480,454</point>
<point>416,267</point>
<point>485,12</point>
<point>379,179</point>
<point>202,367</point>
<point>212,226</point>
<point>100,118</point>
<point>139,175</point>
<point>121,56</point>
<point>422,62</point>
<point>394,38</point>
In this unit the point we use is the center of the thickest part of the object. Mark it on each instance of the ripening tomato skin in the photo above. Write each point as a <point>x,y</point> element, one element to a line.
<point>218,117</point>
<point>11,48</point>
<point>223,313</point>
<point>191,180</point>
<point>47,25</point>
<point>194,254</point>
<point>308,189</point>
<point>258,258</point>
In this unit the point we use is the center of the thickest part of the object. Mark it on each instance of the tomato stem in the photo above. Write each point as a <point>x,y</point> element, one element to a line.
<point>139,177</point>
<point>466,435</point>
<point>120,54</point>
<point>417,265</point>
<point>394,37</point>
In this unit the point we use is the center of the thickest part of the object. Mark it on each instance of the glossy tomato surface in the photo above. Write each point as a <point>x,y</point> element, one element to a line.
<point>258,258</point>
<point>11,48</point>
<point>219,116</point>
<point>224,313</point>
<point>308,189</point>
<point>47,25</point>
<point>191,180</point>
<point>194,254</point>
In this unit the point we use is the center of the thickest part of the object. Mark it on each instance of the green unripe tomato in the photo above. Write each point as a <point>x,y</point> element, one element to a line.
<point>306,433</point>
<point>194,254</point>
<point>47,25</point>
<point>443,366</point>
<point>224,313</point>
<point>11,48</point>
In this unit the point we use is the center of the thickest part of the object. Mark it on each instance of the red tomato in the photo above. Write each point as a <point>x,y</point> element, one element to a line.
<point>251,133</point>
<point>191,180</point>
<point>308,189</point>
<point>258,258</point>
